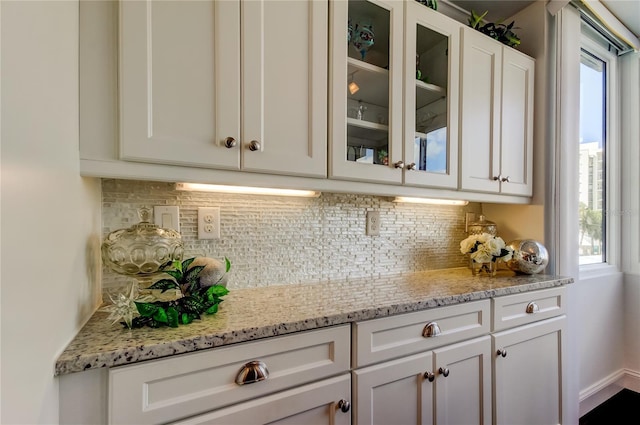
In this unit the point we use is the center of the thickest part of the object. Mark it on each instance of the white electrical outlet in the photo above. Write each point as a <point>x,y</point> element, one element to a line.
<point>373,223</point>
<point>167,217</point>
<point>208,222</point>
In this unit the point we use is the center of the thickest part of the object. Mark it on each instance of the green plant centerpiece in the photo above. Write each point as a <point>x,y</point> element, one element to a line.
<point>496,30</point>
<point>198,295</point>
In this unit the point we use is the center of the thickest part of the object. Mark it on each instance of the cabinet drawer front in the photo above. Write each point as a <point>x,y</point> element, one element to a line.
<point>168,389</point>
<point>520,309</point>
<point>391,337</point>
<point>315,403</point>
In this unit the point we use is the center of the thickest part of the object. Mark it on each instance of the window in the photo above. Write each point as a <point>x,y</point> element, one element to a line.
<point>597,141</point>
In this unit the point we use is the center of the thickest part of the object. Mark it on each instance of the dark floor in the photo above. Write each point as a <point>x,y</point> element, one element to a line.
<point>621,409</point>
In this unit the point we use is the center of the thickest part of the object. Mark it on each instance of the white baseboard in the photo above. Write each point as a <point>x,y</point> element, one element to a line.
<point>604,389</point>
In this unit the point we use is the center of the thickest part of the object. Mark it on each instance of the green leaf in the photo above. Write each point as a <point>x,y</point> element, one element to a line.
<point>177,275</point>
<point>172,317</point>
<point>186,318</point>
<point>146,309</point>
<point>217,290</point>
<point>192,274</point>
<point>186,263</point>
<point>164,284</point>
<point>227,265</point>
<point>191,305</point>
<point>212,310</point>
<point>178,266</point>
<point>161,316</point>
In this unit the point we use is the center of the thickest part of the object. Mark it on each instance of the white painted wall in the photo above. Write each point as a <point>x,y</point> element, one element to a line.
<point>50,215</point>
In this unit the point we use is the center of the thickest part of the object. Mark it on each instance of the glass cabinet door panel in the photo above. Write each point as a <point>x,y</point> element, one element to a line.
<point>368,83</point>
<point>366,89</point>
<point>431,76</point>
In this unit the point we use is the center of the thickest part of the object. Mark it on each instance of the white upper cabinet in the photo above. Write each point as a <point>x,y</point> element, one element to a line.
<point>496,110</point>
<point>366,90</point>
<point>432,66</point>
<point>394,93</point>
<point>210,84</point>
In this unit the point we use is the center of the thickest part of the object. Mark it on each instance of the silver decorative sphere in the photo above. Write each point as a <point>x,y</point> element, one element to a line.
<point>529,256</point>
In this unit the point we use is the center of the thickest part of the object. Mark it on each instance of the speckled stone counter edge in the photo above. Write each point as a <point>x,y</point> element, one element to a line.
<point>250,314</point>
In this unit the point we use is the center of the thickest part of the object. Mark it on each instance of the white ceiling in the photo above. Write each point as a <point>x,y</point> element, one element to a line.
<point>627,11</point>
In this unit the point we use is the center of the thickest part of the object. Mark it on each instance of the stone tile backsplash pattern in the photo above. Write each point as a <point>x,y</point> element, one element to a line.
<point>278,240</point>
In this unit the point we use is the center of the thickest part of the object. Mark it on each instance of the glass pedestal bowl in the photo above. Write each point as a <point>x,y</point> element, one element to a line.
<point>141,252</point>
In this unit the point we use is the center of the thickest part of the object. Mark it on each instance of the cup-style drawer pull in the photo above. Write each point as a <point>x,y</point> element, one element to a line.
<point>431,329</point>
<point>532,308</point>
<point>254,371</point>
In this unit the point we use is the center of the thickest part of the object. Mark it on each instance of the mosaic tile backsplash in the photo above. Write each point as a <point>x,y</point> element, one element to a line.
<point>278,240</point>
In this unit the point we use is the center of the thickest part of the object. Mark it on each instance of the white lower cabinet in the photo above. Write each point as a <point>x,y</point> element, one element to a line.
<point>527,364</point>
<point>493,361</point>
<point>222,383</point>
<point>310,405</point>
<point>527,380</point>
<point>449,385</point>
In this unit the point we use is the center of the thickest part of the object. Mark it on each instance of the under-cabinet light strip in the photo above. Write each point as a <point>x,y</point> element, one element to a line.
<point>431,201</point>
<point>200,187</point>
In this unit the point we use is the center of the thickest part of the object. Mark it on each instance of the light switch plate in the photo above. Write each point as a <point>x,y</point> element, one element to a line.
<point>167,217</point>
<point>468,218</point>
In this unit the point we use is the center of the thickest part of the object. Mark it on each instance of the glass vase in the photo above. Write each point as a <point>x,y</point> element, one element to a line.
<point>483,269</point>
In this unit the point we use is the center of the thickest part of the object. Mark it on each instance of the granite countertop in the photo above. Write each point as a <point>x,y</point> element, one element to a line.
<point>249,314</point>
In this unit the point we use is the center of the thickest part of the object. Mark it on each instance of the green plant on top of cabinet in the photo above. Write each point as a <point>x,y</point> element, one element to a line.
<point>396,93</point>
<point>210,84</point>
<point>496,119</point>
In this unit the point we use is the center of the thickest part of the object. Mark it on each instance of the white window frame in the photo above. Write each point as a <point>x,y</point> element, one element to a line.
<point>613,165</point>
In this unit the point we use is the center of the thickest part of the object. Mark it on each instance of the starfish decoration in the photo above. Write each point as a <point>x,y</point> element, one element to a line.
<point>123,307</point>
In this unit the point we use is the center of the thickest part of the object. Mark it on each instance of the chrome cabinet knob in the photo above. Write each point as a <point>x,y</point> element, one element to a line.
<point>399,164</point>
<point>411,167</point>
<point>254,371</point>
<point>498,177</point>
<point>254,145</point>
<point>344,405</point>
<point>431,330</point>
<point>532,308</point>
<point>502,352</point>
<point>230,142</point>
<point>429,376</point>
<point>444,371</point>
<point>505,179</point>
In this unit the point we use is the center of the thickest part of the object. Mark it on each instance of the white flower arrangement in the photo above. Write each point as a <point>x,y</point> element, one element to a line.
<point>485,248</point>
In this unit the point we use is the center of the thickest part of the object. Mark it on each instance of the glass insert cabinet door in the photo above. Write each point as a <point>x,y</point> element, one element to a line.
<point>366,95</point>
<point>432,43</point>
